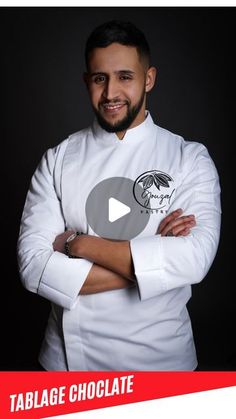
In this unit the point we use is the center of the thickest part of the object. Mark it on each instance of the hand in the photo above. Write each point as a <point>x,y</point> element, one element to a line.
<point>60,240</point>
<point>175,225</point>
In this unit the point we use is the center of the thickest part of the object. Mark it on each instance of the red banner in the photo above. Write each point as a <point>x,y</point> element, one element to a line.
<point>39,394</point>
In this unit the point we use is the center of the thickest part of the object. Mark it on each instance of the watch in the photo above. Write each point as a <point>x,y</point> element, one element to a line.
<point>69,239</point>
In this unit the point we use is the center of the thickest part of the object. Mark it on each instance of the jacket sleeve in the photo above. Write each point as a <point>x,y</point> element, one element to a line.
<point>165,263</point>
<point>50,274</point>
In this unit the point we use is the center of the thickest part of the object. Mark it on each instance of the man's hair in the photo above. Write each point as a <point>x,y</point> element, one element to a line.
<point>124,33</point>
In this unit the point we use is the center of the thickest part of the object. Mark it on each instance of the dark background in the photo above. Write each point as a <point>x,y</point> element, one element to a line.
<point>44,100</point>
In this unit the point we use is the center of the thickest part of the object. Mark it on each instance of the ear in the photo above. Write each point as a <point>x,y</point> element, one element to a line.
<point>150,78</point>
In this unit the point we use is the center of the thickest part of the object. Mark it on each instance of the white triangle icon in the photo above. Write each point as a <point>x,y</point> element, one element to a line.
<point>116,209</point>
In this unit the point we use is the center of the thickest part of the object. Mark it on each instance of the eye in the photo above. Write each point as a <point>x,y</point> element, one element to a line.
<point>99,79</point>
<point>126,77</point>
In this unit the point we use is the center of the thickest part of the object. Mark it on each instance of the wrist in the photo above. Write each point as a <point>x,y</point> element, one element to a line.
<point>71,245</point>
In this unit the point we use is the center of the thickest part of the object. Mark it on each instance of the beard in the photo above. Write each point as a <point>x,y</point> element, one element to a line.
<point>124,123</point>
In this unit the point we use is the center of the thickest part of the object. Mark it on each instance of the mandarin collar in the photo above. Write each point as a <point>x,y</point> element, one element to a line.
<point>138,133</point>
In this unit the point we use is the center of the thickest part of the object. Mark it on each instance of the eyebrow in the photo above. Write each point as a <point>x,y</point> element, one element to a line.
<point>97,73</point>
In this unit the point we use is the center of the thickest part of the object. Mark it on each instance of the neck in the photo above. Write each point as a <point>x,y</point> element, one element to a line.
<point>138,121</point>
<point>121,134</point>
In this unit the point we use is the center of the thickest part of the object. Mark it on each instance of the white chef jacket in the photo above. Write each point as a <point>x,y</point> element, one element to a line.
<point>141,328</point>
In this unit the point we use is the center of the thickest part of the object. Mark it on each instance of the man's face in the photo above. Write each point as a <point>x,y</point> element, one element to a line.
<point>117,82</point>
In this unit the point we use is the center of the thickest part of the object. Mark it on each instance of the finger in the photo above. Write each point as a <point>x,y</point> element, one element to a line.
<point>182,227</point>
<point>180,223</point>
<point>184,232</point>
<point>174,230</point>
<point>172,216</point>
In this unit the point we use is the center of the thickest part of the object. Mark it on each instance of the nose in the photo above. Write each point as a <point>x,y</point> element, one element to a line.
<point>111,89</point>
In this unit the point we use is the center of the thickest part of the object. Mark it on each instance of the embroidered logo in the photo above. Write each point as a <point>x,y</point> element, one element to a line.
<point>153,193</point>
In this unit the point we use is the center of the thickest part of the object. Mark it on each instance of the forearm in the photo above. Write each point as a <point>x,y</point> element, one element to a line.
<point>112,255</point>
<point>116,255</point>
<point>112,262</point>
<point>101,279</point>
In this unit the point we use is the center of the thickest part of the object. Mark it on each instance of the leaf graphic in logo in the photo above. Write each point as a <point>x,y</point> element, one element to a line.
<point>147,181</point>
<point>143,178</point>
<point>161,179</point>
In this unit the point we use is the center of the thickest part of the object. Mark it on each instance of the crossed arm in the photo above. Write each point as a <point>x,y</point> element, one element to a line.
<point>112,260</point>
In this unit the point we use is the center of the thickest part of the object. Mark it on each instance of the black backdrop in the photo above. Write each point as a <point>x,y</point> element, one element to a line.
<point>44,100</point>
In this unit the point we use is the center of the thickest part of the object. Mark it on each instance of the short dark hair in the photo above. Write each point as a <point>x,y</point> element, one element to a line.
<point>124,33</point>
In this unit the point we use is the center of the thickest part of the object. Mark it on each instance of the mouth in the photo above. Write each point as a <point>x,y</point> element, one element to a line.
<point>112,108</point>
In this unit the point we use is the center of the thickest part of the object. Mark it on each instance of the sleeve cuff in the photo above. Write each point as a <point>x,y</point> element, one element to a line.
<point>63,278</point>
<point>147,254</point>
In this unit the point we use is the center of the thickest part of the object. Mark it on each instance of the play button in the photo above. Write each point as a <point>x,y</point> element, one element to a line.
<point>117,210</point>
<point>112,210</point>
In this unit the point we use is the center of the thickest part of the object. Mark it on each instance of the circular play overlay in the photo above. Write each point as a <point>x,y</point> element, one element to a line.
<point>113,212</point>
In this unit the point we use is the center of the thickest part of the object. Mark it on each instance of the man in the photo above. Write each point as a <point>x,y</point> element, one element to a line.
<point>120,304</point>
